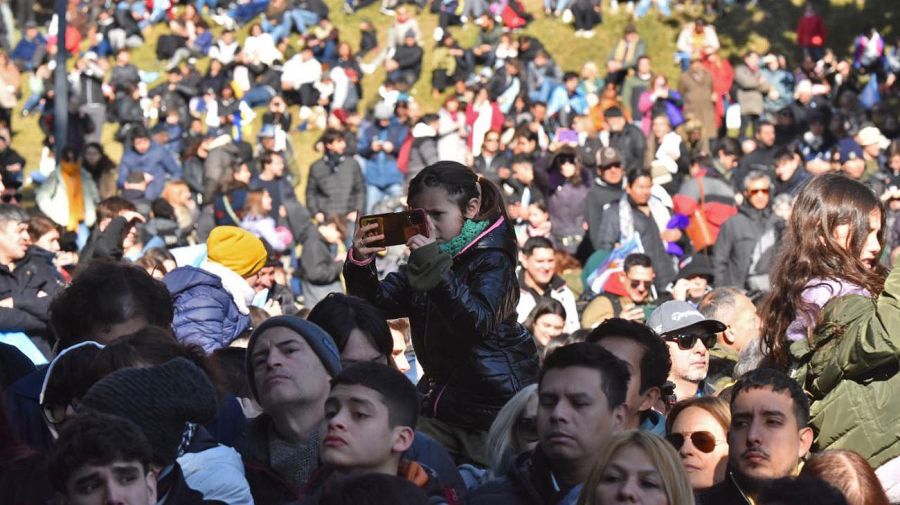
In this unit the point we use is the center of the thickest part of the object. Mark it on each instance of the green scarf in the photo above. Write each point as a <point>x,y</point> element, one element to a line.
<point>470,231</point>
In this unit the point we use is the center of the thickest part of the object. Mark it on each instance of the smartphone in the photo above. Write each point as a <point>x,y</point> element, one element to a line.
<point>397,227</point>
<point>566,135</point>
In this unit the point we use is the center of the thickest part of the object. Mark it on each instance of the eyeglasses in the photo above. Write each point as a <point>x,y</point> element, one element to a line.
<point>758,191</point>
<point>636,284</point>
<point>526,428</point>
<point>702,440</point>
<point>9,197</point>
<point>687,341</point>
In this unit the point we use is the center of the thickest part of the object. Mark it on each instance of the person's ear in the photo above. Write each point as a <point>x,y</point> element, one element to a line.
<point>806,440</point>
<point>619,417</point>
<point>403,439</point>
<point>728,336</point>
<point>151,487</point>
<point>649,398</point>
<point>472,208</point>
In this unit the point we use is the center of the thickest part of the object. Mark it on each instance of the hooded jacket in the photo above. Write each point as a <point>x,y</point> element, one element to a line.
<point>475,354</point>
<point>211,305</point>
<point>528,482</point>
<point>733,252</point>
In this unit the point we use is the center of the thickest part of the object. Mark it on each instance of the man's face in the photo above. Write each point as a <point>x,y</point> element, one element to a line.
<point>49,241</point>
<point>286,369</point>
<point>644,66</point>
<point>631,353</point>
<point>523,172</point>
<point>359,434</point>
<point>612,174</point>
<point>338,146</point>
<point>690,365</point>
<point>14,240</point>
<point>541,265</point>
<point>141,144</point>
<point>766,135</point>
<point>854,168</point>
<point>574,420</point>
<point>491,143</point>
<point>616,124</point>
<point>265,278</point>
<point>757,193</point>
<point>765,441</point>
<point>638,281</point>
<point>639,190</point>
<point>277,166</point>
<point>120,482</point>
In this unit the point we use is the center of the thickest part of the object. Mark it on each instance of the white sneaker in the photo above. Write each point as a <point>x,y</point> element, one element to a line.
<point>588,34</point>
<point>438,34</point>
<point>388,12</point>
<point>578,34</point>
<point>464,19</point>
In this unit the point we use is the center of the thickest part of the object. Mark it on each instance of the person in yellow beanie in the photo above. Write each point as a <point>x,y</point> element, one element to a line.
<point>212,302</point>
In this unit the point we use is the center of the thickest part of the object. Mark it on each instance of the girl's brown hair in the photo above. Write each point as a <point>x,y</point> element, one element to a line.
<point>850,474</point>
<point>253,204</point>
<point>462,184</point>
<point>809,251</point>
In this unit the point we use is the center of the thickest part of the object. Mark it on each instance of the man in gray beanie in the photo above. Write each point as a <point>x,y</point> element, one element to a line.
<point>290,363</point>
<point>165,401</point>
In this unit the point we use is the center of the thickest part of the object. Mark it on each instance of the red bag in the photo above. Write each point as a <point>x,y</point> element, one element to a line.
<point>706,220</point>
<point>403,154</point>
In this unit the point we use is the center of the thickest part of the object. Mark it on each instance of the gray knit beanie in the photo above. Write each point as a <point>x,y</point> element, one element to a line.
<point>317,338</point>
<point>161,399</point>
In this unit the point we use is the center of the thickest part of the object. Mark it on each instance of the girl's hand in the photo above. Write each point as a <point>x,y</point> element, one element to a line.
<point>362,239</point>
<point>417,241</point>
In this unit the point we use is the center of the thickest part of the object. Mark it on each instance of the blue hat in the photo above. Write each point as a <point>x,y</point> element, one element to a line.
<point>318,340</point>
<point>850,150</point>
<point>267,132</point>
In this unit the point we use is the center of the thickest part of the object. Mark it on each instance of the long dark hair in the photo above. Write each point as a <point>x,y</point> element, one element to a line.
<point>810,251</point>
<point>462,184</point>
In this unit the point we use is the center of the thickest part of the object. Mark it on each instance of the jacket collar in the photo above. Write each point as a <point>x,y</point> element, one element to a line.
<point>499,235</point>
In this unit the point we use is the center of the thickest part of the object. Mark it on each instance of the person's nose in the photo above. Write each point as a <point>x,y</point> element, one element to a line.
<point>115,495</point>
<point>699,348</point>
<point>274,359</point>
<point>628,491</point>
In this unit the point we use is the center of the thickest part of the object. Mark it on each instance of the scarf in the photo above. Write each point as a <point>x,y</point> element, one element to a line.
<point>658,213</point>
<point>470,231</point>
<point>71,177</point>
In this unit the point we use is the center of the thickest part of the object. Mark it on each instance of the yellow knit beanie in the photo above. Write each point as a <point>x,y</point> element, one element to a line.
<point>236,249</point>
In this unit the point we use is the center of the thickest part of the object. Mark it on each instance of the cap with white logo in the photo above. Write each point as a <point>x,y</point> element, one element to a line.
<point>678,315</point>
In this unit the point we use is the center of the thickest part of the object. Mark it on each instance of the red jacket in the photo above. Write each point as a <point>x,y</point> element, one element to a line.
<point>811,31</point>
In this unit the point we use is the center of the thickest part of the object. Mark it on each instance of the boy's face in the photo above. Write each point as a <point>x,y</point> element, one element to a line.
<point>359,435</point>
<point>126,483</point>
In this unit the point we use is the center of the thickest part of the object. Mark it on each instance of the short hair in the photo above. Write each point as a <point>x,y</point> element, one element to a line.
<point>111,207</point>
<point>11,213</point>
<point>800,491</point>
<point>96,439</point>
<point>536,243</point>
<point>139,132</point>
<point>764,122</point>
<point>637,173</point>
<point>107,293</point>
<point>779,382</point>
<point>729,146</point>
<point>849,473</point>
<point>38,226</point>
<point>398,393</point>
<point>339,314</point>
<point>372,489</point>
<point>716,407</point>
<point>717,301</point>
<point>655,361</point>
<point>569,75</point>
<point>675,483</point>
<point>636,260</point>
<point>613,371</point>
<point>785,153</point>
<point>756,175</point>
<point>330,135</point>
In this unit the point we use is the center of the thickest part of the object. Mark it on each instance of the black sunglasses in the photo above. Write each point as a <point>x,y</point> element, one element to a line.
<point>687,341</point>
<point>702,440</point>
<point>9,197</point>
<point>526,428</point>
<point>636,283</point>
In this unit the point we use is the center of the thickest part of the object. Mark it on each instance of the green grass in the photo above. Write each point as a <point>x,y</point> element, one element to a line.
<point>767,27</point>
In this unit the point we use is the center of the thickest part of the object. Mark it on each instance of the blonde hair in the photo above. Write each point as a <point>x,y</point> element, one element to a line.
<point>501,439</point>
<point>675,481</point>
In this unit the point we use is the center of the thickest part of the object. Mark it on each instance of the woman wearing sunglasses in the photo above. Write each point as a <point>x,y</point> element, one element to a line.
<point>696,428</point>
<point>513,432</point>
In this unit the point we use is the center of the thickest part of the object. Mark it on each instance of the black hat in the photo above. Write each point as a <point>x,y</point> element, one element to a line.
<point>696,265</point>
<point>613,111</point>
<point>161,399</point>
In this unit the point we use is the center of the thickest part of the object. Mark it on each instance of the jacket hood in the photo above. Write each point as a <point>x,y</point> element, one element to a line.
<point>213,275</point>
<point>422,130</point>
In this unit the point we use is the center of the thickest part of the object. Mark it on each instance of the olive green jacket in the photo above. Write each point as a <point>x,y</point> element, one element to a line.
<point>850,371</point>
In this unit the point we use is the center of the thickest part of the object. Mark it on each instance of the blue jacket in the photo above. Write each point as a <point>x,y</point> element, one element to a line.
<point>381,168</point>
<point>157,161</point>
<point>25,49</point>
<point>205,312</point>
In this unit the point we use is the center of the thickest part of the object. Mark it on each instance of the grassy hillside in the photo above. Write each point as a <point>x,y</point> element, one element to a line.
<point>768,25</point>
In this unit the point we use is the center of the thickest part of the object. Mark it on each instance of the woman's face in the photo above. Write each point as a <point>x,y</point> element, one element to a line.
<point>547,327</point>
<point>453,105</point>
<point>256,30</point>
<point>660,127</point>
<point>630,477</point>
<point>704,469</point>
<point>92,155</point>
<point>660,83</point>
<point>266,202</point>
<point>567,168</point>
<point>895,163</point>
<point>525,434</point>
<point>871,247</point>
<point>344,50</point>
<point>49,241</point>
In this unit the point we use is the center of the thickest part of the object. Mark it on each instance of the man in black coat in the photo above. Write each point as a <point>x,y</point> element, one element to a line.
<point>628,139</point>
<point>336,184</point>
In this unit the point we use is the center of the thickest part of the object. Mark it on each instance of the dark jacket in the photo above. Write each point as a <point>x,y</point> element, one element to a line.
<point>608,235</point>
<point>733,252</point>
<point>335,186</point>
<point>31,284</point>
<point>726,492</point>
<point>178,492</point>
<point>490,170</point>
<point>317,265</point>
<point>424,149</point>
<point>475,354</point>
<point>631,144</point>
<point>157,161</point>
<point>528,482</point>
<point>205,312</point>
<point>599,198</point>
<point>13,365</point>
<point>381,167</point>
<point>422,476</point>
<point>106,244</point>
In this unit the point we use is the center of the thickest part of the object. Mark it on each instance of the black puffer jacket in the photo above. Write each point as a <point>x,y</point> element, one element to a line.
<point>474,353</point>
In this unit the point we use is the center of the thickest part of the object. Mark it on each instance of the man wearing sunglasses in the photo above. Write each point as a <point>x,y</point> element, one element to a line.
<point>689,337</point>
<point>733,253</point>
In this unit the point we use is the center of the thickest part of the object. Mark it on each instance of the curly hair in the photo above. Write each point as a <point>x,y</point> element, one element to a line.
<point>809,251</point>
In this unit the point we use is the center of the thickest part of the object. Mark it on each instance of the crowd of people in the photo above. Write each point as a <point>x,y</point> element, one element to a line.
<point>627,287</point>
